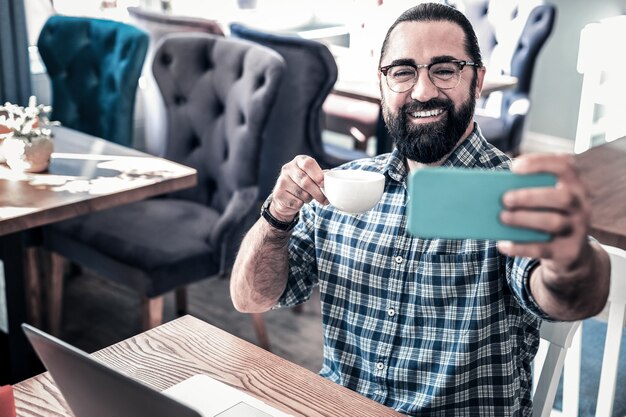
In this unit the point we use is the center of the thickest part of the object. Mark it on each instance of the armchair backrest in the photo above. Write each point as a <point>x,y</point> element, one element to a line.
<point>217,93</point>
<point>534,35</point>
<point>94,67</point>
<point>511,35</point>
<point>160,24</point>
<point>157,25</point>
<point>295,123</point>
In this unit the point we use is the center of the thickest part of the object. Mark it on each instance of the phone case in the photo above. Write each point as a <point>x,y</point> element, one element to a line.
<point>463,203</point>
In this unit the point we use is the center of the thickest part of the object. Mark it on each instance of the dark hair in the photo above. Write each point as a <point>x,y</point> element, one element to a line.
<point>433,12</point>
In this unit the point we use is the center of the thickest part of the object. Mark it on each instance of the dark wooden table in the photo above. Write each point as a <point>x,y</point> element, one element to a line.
<point>187,346</point>
<point>86,174</point>
<point>603,169</point>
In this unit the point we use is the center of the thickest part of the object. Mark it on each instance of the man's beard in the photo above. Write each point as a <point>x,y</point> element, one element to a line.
<point>430,142</point>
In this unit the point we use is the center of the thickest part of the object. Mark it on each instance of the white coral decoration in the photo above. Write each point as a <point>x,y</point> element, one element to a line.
<point>27,123</point>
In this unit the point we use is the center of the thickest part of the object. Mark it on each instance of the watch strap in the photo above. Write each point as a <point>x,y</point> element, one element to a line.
<point>273,221</point>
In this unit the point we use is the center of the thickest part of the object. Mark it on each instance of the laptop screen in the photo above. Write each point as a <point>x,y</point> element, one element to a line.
<point>92,389</point>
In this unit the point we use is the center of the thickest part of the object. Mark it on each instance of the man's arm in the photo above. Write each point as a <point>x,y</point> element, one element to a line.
<point>261,268</point>
<point>572,279</point>
<point>260,271</point>
<point>575,294</point>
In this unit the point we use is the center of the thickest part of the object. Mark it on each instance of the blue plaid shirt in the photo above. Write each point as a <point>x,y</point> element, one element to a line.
<point>425,326</point>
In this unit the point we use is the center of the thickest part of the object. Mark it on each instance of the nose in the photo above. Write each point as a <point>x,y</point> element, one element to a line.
<point>424,89</point>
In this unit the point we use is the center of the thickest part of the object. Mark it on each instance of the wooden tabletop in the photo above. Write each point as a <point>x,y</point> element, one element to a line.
<point>177,350</point>
<point>603,169</point>
<point>86,174</point>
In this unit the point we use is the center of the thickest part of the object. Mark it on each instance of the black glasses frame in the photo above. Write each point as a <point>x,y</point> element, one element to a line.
<point>461,63</point>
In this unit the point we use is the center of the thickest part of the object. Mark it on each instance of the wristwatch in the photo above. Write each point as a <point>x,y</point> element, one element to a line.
<point>273,221</point>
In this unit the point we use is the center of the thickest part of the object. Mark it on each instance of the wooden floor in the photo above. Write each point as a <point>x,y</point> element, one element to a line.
<point>99,313</point>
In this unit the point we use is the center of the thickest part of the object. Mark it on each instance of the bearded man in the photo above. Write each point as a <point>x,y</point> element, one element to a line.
<point>427,326</point>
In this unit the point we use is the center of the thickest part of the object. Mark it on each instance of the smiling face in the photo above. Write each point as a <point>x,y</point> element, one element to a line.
<point>427,123</point>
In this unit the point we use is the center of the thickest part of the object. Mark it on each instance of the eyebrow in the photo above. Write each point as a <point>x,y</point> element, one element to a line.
<point>433,60</point>
<point>443,58</point>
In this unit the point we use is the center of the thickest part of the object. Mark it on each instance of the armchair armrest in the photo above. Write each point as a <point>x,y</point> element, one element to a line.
<point>239,207</point>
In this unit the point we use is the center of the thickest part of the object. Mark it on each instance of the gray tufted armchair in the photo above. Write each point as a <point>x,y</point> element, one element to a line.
<point>217,93</point>
<point>295,124</point>
<point>157,25</point>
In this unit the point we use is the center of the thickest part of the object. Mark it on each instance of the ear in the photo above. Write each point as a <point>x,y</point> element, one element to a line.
<point>480,74</point>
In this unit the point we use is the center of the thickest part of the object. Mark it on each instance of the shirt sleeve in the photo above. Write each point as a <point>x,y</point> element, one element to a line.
<point>518,272</point>
<point>302,261</point>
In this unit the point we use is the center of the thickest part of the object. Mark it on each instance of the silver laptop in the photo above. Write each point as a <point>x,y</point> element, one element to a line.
<point>91,389</point>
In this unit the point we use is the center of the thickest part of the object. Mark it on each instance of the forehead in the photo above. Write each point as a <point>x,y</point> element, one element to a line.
<point>421,41</point>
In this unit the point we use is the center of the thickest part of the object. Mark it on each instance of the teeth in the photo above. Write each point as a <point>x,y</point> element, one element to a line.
<point>428,113</point>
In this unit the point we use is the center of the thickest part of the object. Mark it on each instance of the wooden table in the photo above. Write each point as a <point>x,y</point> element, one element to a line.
<point>187,346</point>
<point>86,174</point>
<point>603,169</point>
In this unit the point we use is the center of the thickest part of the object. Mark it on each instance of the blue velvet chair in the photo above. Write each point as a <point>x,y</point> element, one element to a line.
<point>217,93</point>
<point>503,114</point>
<point>94,67</point>
<point>296,121</point>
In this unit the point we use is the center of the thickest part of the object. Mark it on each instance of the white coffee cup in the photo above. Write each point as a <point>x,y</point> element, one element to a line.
<point>353,191</point>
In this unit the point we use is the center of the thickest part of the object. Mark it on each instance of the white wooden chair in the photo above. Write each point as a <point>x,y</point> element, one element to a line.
<point>614,331</point>
<point>603,94</point>
<point>556,338</point>
<point>612,345</point>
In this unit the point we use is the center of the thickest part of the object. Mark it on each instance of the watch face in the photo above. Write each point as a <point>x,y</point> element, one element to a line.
<point>266,203</point>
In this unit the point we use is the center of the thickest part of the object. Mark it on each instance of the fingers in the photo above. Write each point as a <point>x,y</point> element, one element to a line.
<point>562,211</point>
<point>560,251</point>
<point>562,165</point>
<point>534,251</point>
<point>299,183</point>
<point>544,198</point>
<point>553,223</point>
<point>570,194</point>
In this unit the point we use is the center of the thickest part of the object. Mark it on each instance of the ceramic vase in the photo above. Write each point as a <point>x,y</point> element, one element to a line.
<point>28,156</point>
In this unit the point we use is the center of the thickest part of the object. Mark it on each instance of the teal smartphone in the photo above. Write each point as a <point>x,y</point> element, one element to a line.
<point>463,203</point>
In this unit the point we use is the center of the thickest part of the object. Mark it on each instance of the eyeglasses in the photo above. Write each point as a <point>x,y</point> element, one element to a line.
<point>444,75</point>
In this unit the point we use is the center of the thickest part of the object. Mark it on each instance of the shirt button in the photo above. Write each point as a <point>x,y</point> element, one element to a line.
<point>380,366</point>
<point>391,312</point>
<point>399,259</point>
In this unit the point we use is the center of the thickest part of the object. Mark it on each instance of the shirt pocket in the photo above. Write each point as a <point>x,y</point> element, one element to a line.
<point>446,290</point>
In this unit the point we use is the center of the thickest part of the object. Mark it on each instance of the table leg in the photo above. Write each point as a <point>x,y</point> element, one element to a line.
<point>12,254</point>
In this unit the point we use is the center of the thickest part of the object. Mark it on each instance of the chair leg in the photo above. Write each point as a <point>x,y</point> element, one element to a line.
<point>152,312</point>
<point>33,287</point>
<point>571,376</point>
<point>610,360</point>
<point>54,289</point>
<point>261,331</point>
<point>181,301</point>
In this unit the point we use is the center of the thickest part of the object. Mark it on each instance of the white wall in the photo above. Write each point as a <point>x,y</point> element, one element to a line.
<point>555,92</point>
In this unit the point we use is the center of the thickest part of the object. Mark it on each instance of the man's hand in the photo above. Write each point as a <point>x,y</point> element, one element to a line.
<point>572,279</point>
<point>261,269</point>
<point>300,181</point>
